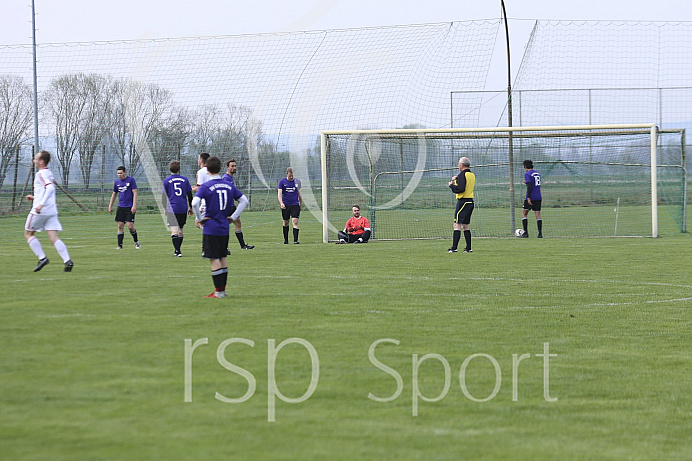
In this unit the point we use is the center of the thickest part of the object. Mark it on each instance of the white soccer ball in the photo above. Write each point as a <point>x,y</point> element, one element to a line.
<point>519,232</point>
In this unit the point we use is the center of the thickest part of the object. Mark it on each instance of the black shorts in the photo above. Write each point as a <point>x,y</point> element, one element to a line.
<point>535,205</point>
<point>124,214</point>
<point>291,211</point>
<point>214,246</point>
<point>176,219</point>
<point>462,214</point>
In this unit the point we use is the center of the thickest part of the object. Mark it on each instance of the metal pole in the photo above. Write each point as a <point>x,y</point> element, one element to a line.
<point>509,123</point>
<point>33,30</point>
<point>14,187</point>
<point>654,183</point>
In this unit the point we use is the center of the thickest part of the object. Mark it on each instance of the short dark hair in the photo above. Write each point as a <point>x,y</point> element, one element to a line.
<point>213,165</point>
<point>121,168</point>
<point>45,156</point>
<point>204,156</point>
<point>231,161</point>
<point>174,166</point>
<point>528,164</point>
<point>356,206</point>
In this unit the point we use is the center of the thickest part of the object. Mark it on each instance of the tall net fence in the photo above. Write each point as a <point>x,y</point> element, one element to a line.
<point>260,99</point>
<point>595,182</point>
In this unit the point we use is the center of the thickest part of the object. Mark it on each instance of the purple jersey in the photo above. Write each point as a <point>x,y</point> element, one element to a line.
<point>219,197</point>
<point>290,191</point>
<point>124,187</point>
<point>532,178</point>
<point>176,188</point>
<point>229,179</point>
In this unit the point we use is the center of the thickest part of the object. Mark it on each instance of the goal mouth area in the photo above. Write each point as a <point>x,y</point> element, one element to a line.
<point>399,177</point>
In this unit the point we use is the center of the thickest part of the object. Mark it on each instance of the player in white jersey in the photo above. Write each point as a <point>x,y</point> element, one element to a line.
<point>44,214</point>
<point>202,177</point>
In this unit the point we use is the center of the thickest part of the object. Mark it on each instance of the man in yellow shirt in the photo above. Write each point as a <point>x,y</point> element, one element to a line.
<point>462,185</point>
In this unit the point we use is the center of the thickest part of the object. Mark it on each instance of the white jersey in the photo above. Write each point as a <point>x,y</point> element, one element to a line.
<point>203,176</point>
<point>44,193</point>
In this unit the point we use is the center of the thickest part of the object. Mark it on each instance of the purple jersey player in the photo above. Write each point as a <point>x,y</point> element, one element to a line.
<point>177,193</point>
<point>218,196</point>
<point>125,187</point>
<point>291,202</point>
<point>231,168</point>
<point>532,179</point>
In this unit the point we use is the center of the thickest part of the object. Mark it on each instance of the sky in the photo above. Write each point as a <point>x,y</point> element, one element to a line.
<point>60,21</point>
<point>67,21</point>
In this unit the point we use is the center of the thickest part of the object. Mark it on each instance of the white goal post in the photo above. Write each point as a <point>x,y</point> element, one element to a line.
<point>353,161</point>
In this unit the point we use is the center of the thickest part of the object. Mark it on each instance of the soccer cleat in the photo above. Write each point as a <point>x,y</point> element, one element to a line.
<point>525,235</point>
<point>285,242</point>
<point>360,240</point>
<point>452,250</point>
<point>41,264</point>
<point>178,254</point>
<point>341,242</point>
<point>296,242</point>
<point>137,246</point>
<point>216,294</point>
<point>247,247</point>
<point>539,236</point>
<point>119,247</point>
<point>228,252</point>
<point>69,265</point>
<point>468,250</point>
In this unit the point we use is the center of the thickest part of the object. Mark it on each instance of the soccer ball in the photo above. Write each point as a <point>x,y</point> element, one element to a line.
<point>519,233</point>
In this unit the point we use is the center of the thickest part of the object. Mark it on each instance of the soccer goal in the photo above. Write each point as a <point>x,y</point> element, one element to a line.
<point>597,180</point>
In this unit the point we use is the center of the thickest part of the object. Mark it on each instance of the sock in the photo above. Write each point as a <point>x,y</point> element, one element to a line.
<point>295,234</point>
<point>220,277</point>
<point>467,237</point>
<point>539,223</point>
<point>455,241</point>
<point>134,235</point>
<point>285,233</point>
<point>525,224</point>
<point>239,236</point>
<point>176,242</point>
<point>36,247</point>
<point>121,235</point>
<point>62,250</point>
<point>180,241</point>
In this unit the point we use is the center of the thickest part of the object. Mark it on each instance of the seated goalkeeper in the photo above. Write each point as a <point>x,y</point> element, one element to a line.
<point>357,228</point>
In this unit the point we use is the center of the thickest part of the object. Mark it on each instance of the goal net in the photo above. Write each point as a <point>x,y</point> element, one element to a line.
<point>596,180</point>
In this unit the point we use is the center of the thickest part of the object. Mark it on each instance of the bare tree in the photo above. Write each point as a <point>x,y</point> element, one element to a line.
<point>94,123</point>
<point>67,101</point>
<point>168,140</point>
<point>137,110</point>
<point>205,126</point>
<point>16,115</point>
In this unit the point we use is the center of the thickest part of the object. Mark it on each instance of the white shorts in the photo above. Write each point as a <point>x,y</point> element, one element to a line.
<point>39,222</point>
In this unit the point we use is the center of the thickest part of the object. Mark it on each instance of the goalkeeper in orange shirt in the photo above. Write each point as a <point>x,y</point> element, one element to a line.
<point>357,228</point>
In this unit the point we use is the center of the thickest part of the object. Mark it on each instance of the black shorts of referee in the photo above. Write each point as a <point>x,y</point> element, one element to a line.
<point>464,209</point>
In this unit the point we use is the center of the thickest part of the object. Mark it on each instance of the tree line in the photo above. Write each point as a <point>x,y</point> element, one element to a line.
<point>89,115</point>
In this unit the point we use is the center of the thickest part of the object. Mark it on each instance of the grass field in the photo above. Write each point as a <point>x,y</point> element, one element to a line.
<point>92,363</point>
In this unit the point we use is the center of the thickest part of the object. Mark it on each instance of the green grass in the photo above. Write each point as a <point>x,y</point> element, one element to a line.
<point>92,362</point>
